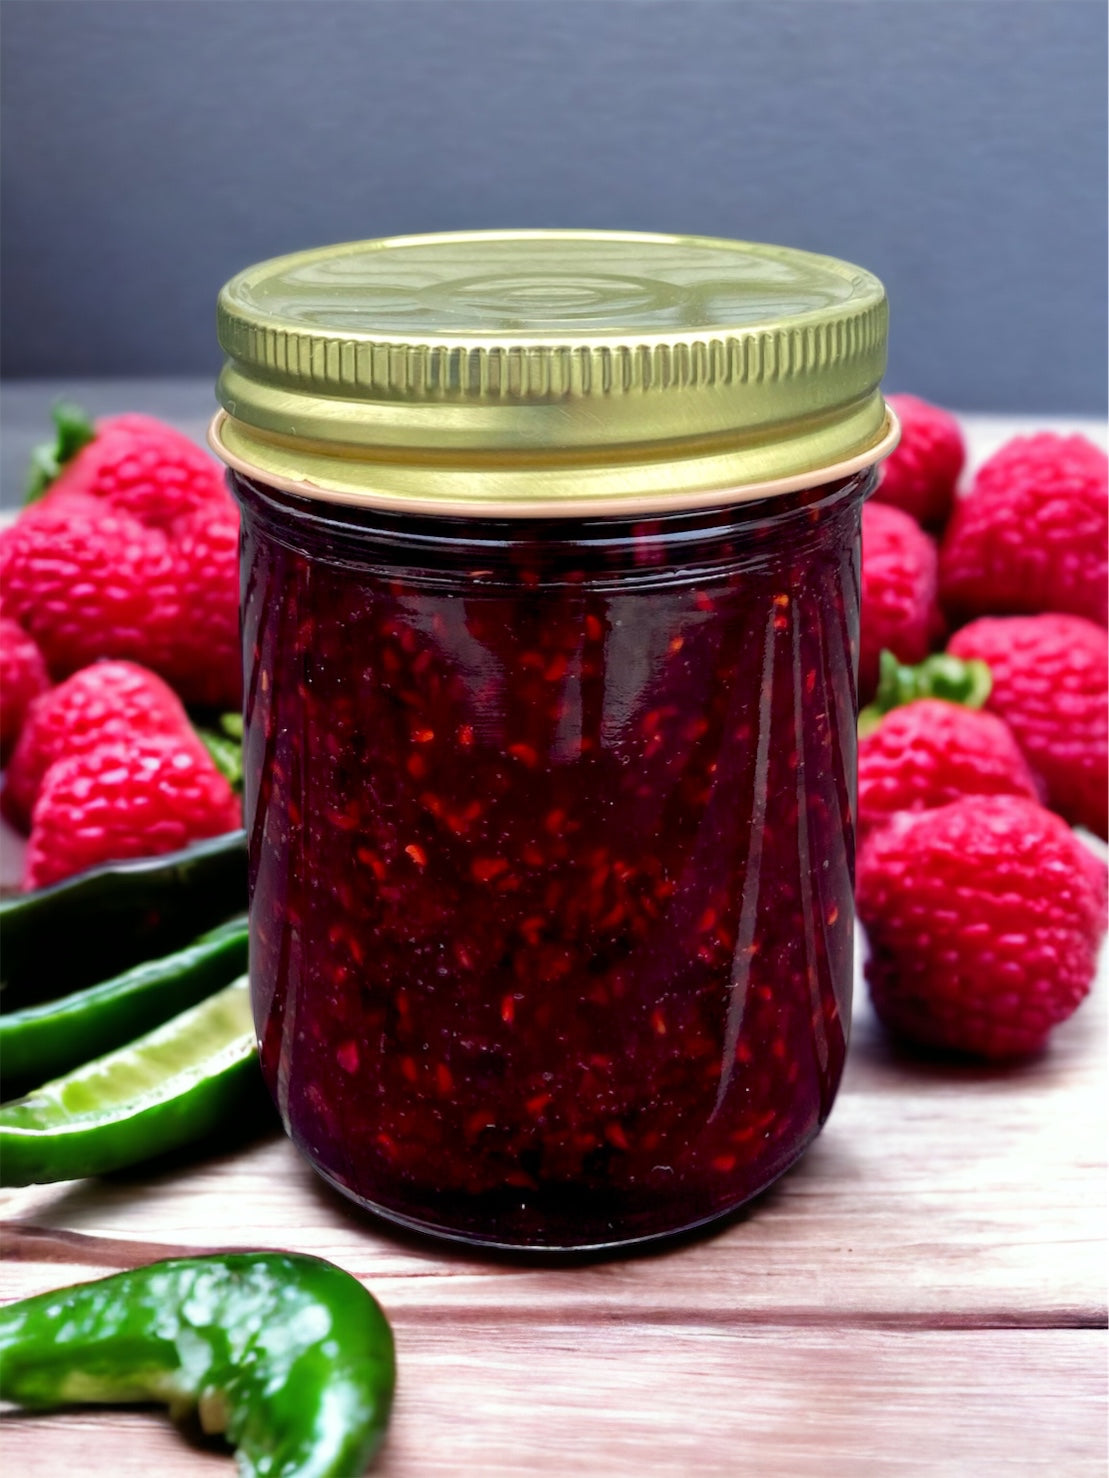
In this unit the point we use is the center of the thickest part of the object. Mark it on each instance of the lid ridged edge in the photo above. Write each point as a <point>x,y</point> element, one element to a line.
<point>394,368</point>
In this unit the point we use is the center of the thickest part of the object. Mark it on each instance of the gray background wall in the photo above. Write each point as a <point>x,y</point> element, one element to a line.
<point>956,147</point>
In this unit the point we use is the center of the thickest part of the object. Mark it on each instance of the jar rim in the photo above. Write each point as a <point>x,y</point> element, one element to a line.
<point>318,477</point>
<point>551,365</point>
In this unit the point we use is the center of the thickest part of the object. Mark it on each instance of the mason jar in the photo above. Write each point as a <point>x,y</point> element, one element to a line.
<point>550,579</point>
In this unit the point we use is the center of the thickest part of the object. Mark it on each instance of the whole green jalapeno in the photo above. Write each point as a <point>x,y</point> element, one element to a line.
<point>97,923</point>
<point>288,1356</point>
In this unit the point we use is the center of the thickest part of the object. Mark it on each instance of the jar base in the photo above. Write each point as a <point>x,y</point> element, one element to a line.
<point>696,1219</point>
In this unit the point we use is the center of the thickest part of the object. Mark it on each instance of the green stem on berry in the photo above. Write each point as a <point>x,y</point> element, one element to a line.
<point>938,676</point>
<point>73,430</point>
<point>225,745</point>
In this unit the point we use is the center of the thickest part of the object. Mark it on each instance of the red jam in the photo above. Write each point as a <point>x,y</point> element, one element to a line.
<point>551,853</point>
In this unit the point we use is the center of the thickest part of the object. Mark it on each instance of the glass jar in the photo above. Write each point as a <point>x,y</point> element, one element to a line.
<point>550,731</point>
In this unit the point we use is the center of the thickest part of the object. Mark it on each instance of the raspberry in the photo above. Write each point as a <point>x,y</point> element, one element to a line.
<point>105,702</point>
<point>983,919</point>
<point>1051,688</point>
<point>201,655</point>
<point>930,753</point>
<point>920,476</point>
<point>132,553</point>
<point>1098,878</point>
<point>143,467</point>
<point>84,582</point>
<point>1031,535</point>
<point>23,677</point>
<point>899,610</point>
<point>119,800</point>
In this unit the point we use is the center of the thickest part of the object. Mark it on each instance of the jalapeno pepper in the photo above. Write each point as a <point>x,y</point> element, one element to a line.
<point>41,1041</point>
<point>288,1356</point>
<point>91,926</point>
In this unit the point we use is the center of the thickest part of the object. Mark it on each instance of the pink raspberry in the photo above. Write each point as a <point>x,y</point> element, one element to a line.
<point>1032,533</point>
<point>983,919</point>
<point>85,582</point>
<point>23,677</point>
<point>920,476</point>
<point>105,702</point>
<point>125,799</point>
<point>140,466</point>
<point>1051,686</point>
<point>132,553</point>
<point>929,753</point>
<point>899,610</point>
<point>200,652</point>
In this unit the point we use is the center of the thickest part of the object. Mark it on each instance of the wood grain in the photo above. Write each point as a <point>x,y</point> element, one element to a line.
<point>923,1294</point>
<point>935,1193</point>
<point>634,1400</point>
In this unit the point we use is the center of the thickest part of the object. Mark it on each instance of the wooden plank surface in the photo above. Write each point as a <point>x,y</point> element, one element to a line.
<point>923,1294</point>
<point>965,1196</point>
<point>634,1400</point>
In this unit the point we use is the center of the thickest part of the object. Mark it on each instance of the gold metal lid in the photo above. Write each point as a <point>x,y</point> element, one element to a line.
<point>540,372</point>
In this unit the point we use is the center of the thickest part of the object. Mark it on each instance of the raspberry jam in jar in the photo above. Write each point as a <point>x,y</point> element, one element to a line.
<point>550,616</point>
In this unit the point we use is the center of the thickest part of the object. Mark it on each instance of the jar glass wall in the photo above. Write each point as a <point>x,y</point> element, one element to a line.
<point>551,853</point>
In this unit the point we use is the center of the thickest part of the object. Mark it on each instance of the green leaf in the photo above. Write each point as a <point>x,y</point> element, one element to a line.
<point>938,676</point>
<point>226,753</point>
<point>41,472</point>
<point>72,431</point>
